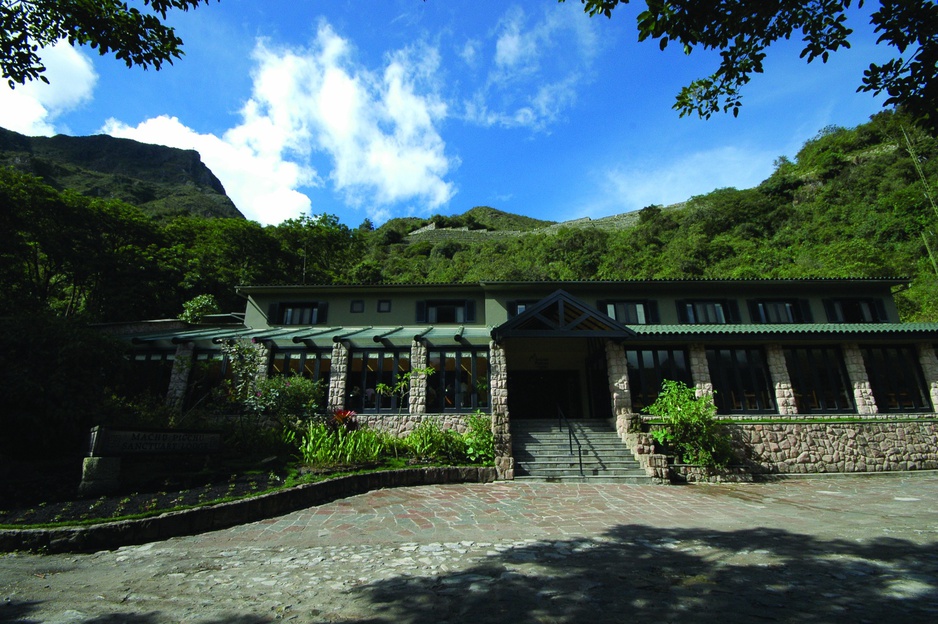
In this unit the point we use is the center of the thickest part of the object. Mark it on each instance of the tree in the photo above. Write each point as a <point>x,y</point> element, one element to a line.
<point>743,29</point>
<point>111,26</point>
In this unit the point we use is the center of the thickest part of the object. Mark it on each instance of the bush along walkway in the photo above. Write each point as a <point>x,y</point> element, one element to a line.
<point>111,535</point>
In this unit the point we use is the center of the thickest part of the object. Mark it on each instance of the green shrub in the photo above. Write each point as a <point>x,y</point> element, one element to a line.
<point>197,307</point>
<point>323,445</point>
<point>479,440</point>
<point>691,430</point>
<point>429,442</point>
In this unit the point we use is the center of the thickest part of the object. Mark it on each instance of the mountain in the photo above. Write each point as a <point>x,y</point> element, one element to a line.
<point>161,181</point>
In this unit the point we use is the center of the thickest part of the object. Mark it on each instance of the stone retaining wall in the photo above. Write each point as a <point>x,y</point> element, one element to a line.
<point>800,448</point>
<point>402,424</point>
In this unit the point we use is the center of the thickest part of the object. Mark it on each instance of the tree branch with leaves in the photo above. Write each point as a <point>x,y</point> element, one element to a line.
<point>139,38</point>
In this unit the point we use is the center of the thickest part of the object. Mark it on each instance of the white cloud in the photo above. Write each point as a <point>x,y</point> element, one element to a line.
<point>537,65</point>
<point>625,188</point>
<point>259,182</point>
<point>32,108</point>
<point>378,130</point>
<point>516,50</point>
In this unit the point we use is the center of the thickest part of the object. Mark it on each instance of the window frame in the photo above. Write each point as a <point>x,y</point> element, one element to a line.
<point>464,398</point>
<point>891,378</point>
<point>799,311</point>
<point>874,306</point>
<point>648,316</point>
<point>302,357</point>
<point>750,379</point>
<point>366,400</point>
<point>819,379</point>
<point>428,311</point>
<point>282,313</point>
<point>688,311</point>
<point>645,381</point>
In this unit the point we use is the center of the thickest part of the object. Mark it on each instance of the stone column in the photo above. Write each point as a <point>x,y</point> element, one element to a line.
<point>263,361</point>
<point>929,362</point>
<point>179,377</point>
<point>856,371</point>
<point>778,372</point>
<point>418,381</point>
<point>504,460</point>
<point>619,391</point>
<point>338,376</point>
<point>700,370</point>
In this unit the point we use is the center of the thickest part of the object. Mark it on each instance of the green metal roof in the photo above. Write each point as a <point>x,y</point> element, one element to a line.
<point>789,330</point>
<point>325,337</point>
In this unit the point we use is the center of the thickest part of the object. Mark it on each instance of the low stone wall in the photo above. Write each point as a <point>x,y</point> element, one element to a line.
<point>801,448</point>
<point>402,424</point>
<point>110,535</point>
<point>655,464</point>
<point>792,448</point>
<point>687,473</point>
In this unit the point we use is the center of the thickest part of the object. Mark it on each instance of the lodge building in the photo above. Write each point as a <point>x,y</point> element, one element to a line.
<point>781,348</point>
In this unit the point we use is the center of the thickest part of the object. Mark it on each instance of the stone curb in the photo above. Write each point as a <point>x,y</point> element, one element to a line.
<point>112,535</point>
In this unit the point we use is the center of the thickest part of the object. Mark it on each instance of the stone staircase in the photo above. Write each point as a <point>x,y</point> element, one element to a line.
<point>542,453</point>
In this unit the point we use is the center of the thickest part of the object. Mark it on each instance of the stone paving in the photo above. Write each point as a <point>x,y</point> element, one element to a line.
<point>838,549</point>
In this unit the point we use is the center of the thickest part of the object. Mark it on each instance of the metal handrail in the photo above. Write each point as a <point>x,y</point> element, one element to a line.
<point>571,437</point>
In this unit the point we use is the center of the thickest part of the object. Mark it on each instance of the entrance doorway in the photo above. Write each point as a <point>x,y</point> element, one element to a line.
<point>537,394</point>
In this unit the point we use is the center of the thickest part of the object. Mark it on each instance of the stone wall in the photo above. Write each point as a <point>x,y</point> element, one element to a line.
<point>643,449</point>
<point>800,448</point>
<point>402,424</point>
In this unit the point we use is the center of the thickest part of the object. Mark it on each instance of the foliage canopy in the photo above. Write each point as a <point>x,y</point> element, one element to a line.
<point>111,26</point>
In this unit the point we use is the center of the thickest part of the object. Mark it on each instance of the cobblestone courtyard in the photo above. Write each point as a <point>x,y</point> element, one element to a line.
<point>835,549</point>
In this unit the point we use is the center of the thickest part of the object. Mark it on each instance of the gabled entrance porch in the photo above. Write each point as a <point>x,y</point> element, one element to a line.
<point>556,370</point>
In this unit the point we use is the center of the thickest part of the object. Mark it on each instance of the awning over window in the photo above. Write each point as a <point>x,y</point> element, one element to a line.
<point>323,337</point>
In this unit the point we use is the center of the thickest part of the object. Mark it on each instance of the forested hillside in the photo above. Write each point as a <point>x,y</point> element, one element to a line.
<point>851,203</point>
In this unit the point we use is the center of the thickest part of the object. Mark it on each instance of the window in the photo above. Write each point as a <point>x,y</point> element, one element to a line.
<point>384,305</point>
<point>367,369</point>
<point>293,313</point>
<point>310,364</point>
<point>460,381</point>
<point>631,312</point>
<point>707,312</point>
<point>446,311</point>
<point>648,368</point>
<point>780,311</point>
<point>518,307</point>
<point>358,306</point>
<point>740,380</point>
<point>855,310</point>
<point>210,368</point>
<point>150,372</point>
<point>896,379</point>
<point>819,380</point>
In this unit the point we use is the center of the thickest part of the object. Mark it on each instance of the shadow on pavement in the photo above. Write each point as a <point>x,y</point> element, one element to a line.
<point>641,573</point>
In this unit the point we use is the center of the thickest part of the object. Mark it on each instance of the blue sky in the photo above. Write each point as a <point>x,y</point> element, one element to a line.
<point>381,109</point>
